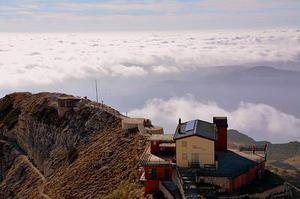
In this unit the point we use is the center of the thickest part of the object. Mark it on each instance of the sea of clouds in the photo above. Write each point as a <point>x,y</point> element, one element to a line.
<point>45,58</point>
<point>41,59</point>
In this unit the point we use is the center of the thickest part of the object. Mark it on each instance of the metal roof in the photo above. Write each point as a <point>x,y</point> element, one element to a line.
<point>195,127</point>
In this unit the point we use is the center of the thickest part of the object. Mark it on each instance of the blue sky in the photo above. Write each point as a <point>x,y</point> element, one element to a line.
<point>92,15</point>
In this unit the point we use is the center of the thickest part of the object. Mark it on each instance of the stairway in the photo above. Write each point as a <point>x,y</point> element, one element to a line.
<point>189,189</point>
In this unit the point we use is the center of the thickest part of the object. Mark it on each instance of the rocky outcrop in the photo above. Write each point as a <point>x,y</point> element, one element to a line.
<point>35,137</point>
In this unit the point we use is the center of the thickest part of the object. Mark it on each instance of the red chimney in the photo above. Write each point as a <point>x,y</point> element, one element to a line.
<point>221,131</point>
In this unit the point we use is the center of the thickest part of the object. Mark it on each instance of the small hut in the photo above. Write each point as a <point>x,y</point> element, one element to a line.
<point>68,102</point>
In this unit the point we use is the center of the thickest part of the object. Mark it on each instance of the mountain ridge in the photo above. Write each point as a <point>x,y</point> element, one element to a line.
<point>82,152</point>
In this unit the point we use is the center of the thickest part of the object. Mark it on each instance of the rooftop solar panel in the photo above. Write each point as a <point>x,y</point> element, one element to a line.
<point>190,125</point>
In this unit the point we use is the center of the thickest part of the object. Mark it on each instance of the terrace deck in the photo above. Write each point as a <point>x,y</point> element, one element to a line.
<point>230,163</point>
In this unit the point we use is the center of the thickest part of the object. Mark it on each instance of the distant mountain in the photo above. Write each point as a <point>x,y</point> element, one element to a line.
<point>266,70</point>
<point>262,74</point>
<point>238,138</point>
<point>279,152</point>
<point>283,159</point>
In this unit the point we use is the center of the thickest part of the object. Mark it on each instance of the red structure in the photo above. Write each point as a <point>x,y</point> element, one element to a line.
<point>245,178</point>
<point>157,161</point>
<point>162,144</point>
<point>156,173</point>
<point>151,185</point>
<point>221,133</point>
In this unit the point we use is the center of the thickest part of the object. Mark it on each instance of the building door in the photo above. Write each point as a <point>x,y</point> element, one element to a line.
<point>195,159</point>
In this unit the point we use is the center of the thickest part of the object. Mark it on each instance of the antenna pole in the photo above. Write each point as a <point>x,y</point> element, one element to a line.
<point>96,83</point>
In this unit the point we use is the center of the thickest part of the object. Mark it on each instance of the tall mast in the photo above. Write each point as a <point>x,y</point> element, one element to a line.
<point>96,84</point>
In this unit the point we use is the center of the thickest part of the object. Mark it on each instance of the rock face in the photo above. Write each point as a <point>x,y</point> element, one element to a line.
<point>49,155</point>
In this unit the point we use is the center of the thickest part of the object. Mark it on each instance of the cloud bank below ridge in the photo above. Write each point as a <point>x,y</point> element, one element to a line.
<point>260,121</point>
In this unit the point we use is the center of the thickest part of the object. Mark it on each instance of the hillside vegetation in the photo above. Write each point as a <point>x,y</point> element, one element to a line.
<point>83,153</point>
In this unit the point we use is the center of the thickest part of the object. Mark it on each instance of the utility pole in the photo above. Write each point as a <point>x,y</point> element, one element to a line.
<point>96,90</point>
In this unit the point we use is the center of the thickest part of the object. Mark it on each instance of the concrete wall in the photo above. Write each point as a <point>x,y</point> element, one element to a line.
<point>154,130</point>
<point>130,123</point>
<point>223,182</point>
<point>194,147</point>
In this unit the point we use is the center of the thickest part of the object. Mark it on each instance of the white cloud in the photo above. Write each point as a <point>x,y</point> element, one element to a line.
<point>60,56</point>
<point>120,70</point>
<point>165,69</point>
<point>260,121</point>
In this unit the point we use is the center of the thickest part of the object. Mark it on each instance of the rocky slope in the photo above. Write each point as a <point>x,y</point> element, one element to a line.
<point>82,153</point>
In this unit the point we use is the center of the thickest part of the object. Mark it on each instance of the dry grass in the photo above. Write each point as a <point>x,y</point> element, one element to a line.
<point>103,165</point>
<point>93,174</point>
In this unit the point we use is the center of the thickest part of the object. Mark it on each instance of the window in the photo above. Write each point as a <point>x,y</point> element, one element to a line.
<point>183,144</point>
<point>184,156</point>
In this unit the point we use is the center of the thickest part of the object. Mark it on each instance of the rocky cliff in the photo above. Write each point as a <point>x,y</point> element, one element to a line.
<point>77,152</point>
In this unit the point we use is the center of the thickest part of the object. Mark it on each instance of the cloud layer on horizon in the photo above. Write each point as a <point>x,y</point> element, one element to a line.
<point>260,121</point>
<point>91,15</point>
<point>47,58</point>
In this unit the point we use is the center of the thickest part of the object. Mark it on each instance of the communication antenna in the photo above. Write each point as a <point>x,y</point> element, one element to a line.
<point>96,84</point>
